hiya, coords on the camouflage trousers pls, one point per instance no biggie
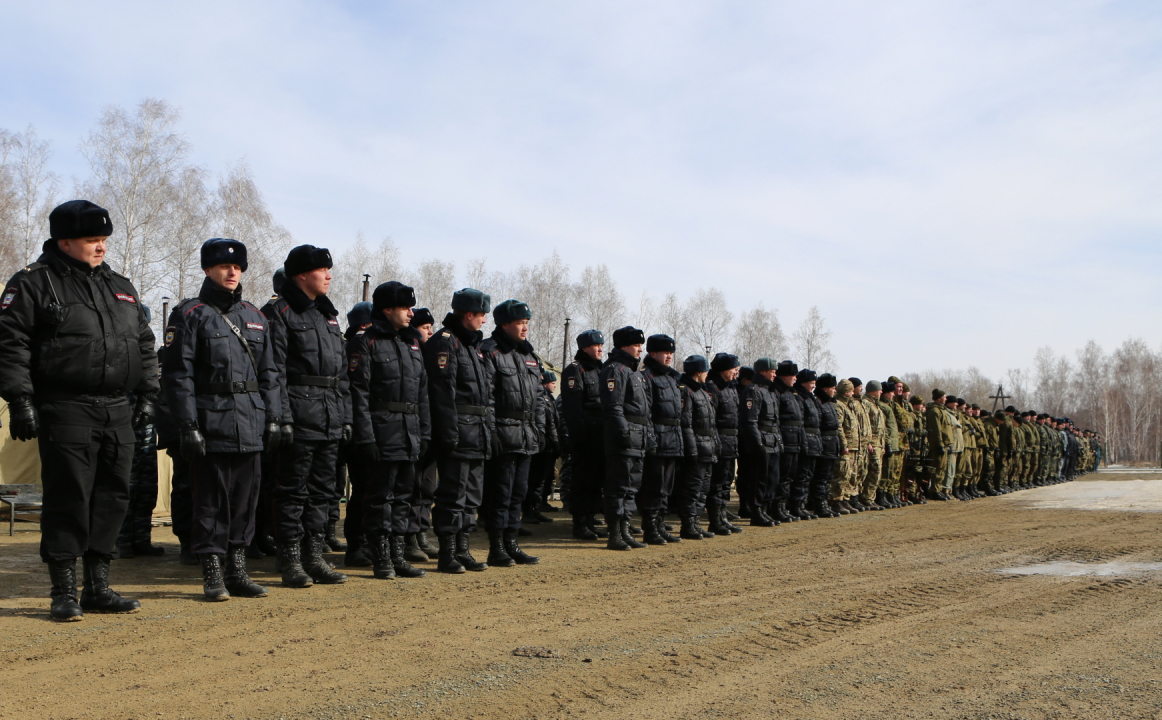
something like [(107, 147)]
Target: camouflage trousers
[(968, 468), (892, 473), (843, 480), (871, 478), (987, 457)]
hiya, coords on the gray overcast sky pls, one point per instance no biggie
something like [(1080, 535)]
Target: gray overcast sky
[(952, 183)]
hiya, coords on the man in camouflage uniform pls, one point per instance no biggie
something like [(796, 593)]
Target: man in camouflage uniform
[(904, 431), (844, 482), (875, 443), (941, 438), (889, 488), (917, 451)]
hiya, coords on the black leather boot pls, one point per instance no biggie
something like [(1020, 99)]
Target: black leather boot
[(379, 547), (730, 517), (581, 529), (514, 550), (779, 511), (716, 520), (97, 595), (356, 555), (734, 529), (464, 554), (706, 532), (616, 541), (63, 574), (403, 568), (290, 561), (213, 587), (631, 528), (627, 535), (237, 581), (332, 539), (662, 529), (411, 549), (319, 569), (446, 561), (266, 544), (650, 528), (601, 531), (744, 509), (497, 556), (425, 545), (690, 529), (760, 518)]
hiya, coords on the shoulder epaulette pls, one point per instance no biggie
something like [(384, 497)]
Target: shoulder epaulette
[(34, 266)]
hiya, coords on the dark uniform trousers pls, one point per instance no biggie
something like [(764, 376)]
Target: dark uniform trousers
[(696, 484), (359, 473), (542, 469), (264, 523), (623, 479), (788, 471), (744, 478), (181, 497), (820, 490), (805, 473), (427, 479), (340, 491), (225, 491), (458, 494), (388, 504), (138, 524), (306, 483), (86, 453), (506, 480), (588, 479), (763, 482), (721, 476), (658, 477)]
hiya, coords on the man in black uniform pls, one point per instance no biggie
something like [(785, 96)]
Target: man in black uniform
[(758, 420), (543, 467), (307, 344), (812, 450), (581, 413), (74, 342), (222, 387), (660, 467), (831, 445), (700, 442), (625, 405), (723, 387), (518, 402), (358, 467), (462, 426), (786, 506), (264, 519), (417, 548), (389, 398)]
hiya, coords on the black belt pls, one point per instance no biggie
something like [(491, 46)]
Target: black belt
[(235, 387), (313, 381), (94, 400), (514, 415), (668, 422), (392, 406), (768, 428), (638, 419), (728, 432), (830, 433), (812, 431), (792, 423), (472, 410), (705, 433)]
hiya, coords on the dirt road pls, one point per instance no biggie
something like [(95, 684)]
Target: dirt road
[(898, 614)]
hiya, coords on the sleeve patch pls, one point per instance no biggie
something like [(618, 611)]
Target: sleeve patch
[(333, 321), (353, 363), (124, 297), (169, 332), (611, 385), (254, 326), (572, 383), (441, 360), (9, 296), (749, 404)]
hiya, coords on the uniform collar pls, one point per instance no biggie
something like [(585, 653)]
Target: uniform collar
[(656, 367), (586, 362), (506, 344), (218, 296), (621, 356), (455, 326), (53, 256)]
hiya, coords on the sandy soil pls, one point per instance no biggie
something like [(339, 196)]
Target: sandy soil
[(898, 614)]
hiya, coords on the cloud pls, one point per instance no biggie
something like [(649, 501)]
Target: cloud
[(951, 184)]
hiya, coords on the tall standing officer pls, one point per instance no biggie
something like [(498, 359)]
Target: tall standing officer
[(308, 349), (519, 411), (389, 401), (222, 387), (723, 387), (789, 492), (581, 413), (625, 405), (74, 342), (660, 467), (462, 425)]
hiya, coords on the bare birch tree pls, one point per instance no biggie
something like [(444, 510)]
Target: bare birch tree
[(757, 334), (811, 342), (31, 193), (434, 282), (241, 213), (184, 229), (548, 291), (671, 320), (599, 303), (708, 321)]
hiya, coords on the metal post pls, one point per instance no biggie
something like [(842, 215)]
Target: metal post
[(164, 310), (565, 346), (366, 286)]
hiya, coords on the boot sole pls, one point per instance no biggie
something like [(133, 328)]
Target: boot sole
[(74, 618)]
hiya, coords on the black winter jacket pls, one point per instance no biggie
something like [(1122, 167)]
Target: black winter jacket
[(725, 394), (517, 394), (210, 379), (625, 405), (70, 330), (312, 364), (389, 391), (790, 416), (459, 390), (832, 445), (699, 434), (758, 418), (552, 444), (813, 443), (665, 407), (581, 404)]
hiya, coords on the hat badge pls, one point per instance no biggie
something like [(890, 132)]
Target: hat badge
[(229, 250)]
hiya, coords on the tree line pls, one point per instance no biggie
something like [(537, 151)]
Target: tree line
[(163, 208)]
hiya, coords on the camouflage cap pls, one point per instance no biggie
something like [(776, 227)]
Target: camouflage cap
[(893, 379), (907, 387), (917, 400), (844, 386), (974, 406)]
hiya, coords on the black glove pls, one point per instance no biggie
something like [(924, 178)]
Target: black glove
[(445, 447), (193, 444), (143, 413), (424, 448), (347, 430), (288, 435), (271, 436), (497, 447), (22, 415), (369, 452)]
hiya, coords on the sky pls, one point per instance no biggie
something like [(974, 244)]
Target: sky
[(952, 183)]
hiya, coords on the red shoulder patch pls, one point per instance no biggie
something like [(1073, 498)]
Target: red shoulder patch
[(123, 297)]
